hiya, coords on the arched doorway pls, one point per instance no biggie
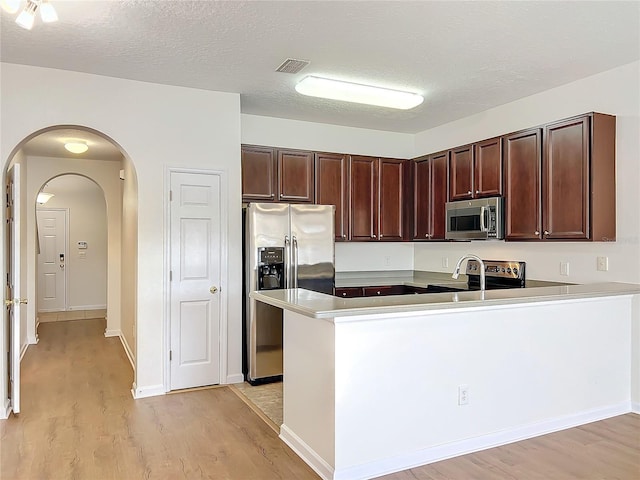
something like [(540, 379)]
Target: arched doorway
[(42, 156)]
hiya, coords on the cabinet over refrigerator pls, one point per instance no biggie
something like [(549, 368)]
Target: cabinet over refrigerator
[(286, 246)]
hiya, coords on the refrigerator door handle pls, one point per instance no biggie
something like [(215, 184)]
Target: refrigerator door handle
[(287, 262), (295, 262)]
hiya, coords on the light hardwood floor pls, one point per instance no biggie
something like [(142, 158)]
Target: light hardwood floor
[(79, 421)]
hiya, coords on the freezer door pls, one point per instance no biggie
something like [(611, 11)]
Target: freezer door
[(312, 247), (267, 225)]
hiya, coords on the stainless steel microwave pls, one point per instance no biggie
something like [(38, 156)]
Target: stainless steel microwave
[(479, 219)]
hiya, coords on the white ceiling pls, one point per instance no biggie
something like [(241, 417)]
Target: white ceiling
[(465, 57)]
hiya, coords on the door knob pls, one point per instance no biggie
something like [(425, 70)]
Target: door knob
[(23, 301), (8, 303), (213, 289)]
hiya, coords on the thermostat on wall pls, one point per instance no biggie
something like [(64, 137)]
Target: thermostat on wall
[(82, 245)]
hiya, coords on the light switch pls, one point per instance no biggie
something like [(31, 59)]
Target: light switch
[(82, 245)]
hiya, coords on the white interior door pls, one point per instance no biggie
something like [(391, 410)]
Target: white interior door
[(13, 299), (195, 280), (52, 281)]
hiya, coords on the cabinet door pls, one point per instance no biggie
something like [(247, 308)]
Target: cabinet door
[(439, 187), (522, 165), (422, 194), (461, 173), (258, 174), (430, 196), (488, 168), (332, 188), (391, 186), (363, 172), (295, 176), (566, 180)]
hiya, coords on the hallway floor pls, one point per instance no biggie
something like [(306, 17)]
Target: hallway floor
[(79, 421)]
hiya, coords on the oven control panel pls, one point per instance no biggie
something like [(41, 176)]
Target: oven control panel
[(498, 268)]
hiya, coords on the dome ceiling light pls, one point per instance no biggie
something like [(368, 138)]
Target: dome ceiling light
[(76, 147)]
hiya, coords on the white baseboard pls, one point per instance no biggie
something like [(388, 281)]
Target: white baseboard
[(23, 350), (128, 351), (442, 452), (235, 378), (33, 340), (149, 391), (112, 333), (315, 461), (86, 307), (6, 411), (635, 407)]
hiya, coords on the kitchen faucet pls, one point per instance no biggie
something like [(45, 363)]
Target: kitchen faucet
[(469, 256)]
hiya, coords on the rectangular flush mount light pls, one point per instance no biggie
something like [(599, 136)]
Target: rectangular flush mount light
[(357, 93)]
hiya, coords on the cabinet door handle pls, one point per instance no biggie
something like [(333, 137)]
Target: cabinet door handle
[(536, 232), (373, 236), (344, 294), (344, 236), (546, 232), (469, 192), (477, 192)]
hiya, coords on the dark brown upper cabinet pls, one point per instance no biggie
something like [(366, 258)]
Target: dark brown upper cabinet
[(560, 181), (295, 176), (523, 177), (258, 174), (363, 173), (487, 159), (461, 173), (476, 170), (392, 214), (377, 198), (332, 188), (430, 183), (274, 175)]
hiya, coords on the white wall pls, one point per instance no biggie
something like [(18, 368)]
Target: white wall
[(614, 92), (279, 132), (157, 127), (129, 256), (86, 274)]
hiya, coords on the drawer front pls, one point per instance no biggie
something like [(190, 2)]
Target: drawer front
[(348, 292)]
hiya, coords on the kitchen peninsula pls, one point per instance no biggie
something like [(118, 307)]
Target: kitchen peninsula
[(381, 384)]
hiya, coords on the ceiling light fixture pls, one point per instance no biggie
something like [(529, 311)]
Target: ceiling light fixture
[(28, 14), (76, 147), (43, 198), (358, 93)]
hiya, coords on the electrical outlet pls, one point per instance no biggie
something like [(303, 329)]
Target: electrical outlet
[(445, 262), (463, 395), (564, 268), (387, 261), (602, 264)]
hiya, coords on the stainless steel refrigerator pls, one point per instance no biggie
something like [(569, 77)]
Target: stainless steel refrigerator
[(286, 246)]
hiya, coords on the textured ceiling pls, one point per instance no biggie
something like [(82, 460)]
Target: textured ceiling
[(465, 57)]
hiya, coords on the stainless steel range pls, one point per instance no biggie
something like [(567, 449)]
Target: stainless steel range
[(498, 274)]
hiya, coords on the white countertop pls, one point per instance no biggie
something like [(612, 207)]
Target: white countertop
[(319, 305)]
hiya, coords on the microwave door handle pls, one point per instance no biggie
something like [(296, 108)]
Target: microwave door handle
[(483, 223)]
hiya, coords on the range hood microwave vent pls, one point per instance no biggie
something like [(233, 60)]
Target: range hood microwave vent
[(291, 65)]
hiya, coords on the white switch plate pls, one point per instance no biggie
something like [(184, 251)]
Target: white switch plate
[(602, 264), (564, 268), (463, 395)]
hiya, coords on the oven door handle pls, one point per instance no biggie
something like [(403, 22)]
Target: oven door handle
[(483, 223)]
